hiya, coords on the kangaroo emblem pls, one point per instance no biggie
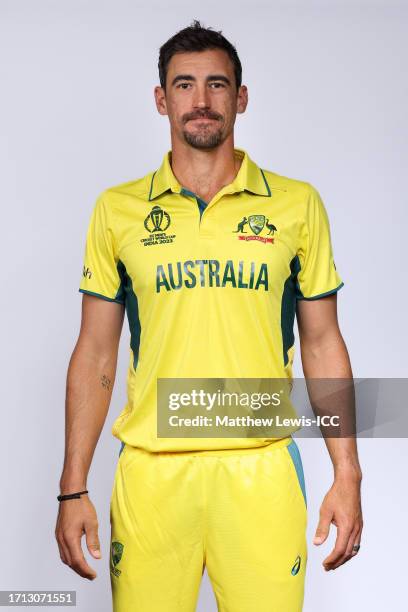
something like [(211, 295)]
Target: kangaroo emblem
[(240, 226)]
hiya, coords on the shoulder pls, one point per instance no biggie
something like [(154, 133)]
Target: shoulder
[(295, 187), (113, 203), (136, 188), (302, 197)]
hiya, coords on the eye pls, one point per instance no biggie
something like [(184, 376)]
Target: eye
[(183, 85), (217, 85)]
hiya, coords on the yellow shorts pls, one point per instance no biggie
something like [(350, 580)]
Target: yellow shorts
[(241, 513)]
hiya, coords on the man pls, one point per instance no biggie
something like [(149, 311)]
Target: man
[(211, 257)]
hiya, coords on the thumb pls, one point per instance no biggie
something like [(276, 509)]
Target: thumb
[(92, 541), (323, 528)]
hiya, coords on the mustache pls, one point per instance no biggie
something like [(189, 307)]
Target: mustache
[(201, 115)]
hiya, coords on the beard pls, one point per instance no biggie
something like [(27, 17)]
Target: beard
[(204, 138)]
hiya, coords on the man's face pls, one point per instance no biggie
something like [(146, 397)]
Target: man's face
[(201, 98)]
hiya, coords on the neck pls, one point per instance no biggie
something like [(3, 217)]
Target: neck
[(204, 173)]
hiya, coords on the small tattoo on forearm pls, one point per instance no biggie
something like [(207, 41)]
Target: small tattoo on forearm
[(106, 383)]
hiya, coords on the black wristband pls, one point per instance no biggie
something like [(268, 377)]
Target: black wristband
[(71, 496)]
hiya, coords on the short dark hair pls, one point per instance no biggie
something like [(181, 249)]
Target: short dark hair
[(197, 38)]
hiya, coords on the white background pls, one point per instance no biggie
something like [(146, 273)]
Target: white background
[(328, 98)]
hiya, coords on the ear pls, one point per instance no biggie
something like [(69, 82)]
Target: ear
[(160, 97), (242, 100)]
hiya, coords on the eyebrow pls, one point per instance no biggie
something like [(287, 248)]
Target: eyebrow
[(211, 77)]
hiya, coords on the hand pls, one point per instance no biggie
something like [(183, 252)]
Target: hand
[(342, 507), (76, 517)]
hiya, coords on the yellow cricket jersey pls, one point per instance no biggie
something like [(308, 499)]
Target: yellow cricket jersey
[(210, 289)]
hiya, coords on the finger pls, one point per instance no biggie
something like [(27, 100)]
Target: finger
[(343, 535), (78, 561), (64, 552), (349, 549), (357, 540), (61, 552), (92, 539), (353, 540), (323, 528)]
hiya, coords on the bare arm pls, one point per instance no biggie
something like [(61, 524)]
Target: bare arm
[(90, 380), (324, 355)]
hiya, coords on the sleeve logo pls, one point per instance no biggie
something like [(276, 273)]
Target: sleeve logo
[(86, 272)]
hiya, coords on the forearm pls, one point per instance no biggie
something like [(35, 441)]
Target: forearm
[(326, 356), (90, 381), (324, 360)]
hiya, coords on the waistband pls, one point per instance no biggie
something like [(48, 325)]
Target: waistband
[(224, 452)]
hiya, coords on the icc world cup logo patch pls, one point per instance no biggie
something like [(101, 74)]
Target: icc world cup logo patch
[(156, 223), (256, 223), (158, 220)]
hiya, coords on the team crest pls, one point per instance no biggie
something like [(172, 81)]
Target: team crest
[(116, 555), (156, 223), (256, 223)]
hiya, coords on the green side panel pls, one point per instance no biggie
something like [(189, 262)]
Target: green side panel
[(288, 308), (297, 461), (132, 310)]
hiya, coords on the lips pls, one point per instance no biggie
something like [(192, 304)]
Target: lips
[(203, 119)]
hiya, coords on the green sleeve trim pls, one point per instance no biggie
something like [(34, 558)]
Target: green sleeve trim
[(101, 296), (316, 297)]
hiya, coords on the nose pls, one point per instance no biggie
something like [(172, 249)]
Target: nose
[(202, 97)]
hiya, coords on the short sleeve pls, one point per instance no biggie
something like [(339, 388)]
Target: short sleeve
[(317, 276), (100, 275)]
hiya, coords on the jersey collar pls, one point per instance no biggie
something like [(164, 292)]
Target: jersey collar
[(249, 178)]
